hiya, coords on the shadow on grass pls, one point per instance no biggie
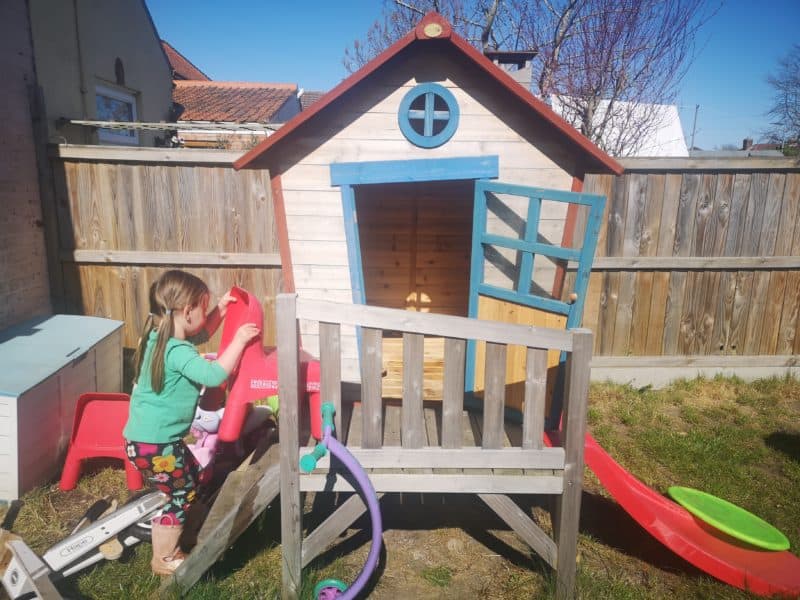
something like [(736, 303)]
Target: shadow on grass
[(788, 443), (607, 522), (601, 518)]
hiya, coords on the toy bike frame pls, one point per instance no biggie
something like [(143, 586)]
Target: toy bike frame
[(28, 573)]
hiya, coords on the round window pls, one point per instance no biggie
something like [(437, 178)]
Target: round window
[(428, 115)]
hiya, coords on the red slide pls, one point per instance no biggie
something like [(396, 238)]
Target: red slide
[(738, 564)]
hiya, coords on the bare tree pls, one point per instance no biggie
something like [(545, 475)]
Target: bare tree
[(606, 64), (785, 110)]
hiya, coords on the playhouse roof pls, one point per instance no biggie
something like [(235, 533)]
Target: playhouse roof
[(434, 27)]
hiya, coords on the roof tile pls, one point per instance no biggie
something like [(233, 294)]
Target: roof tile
[(182, 68), (230, 101)]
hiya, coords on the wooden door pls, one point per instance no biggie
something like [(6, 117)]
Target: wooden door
[(513, 255), (415, 241)]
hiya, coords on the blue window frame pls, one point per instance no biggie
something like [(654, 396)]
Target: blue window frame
[(428, 115)]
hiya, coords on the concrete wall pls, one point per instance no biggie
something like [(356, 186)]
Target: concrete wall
[(76, 45), (24, 287)]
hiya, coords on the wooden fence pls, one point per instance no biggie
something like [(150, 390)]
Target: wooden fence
[(698, 261), (116, 217), (697, 258)]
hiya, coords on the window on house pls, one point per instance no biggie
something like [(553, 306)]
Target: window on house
[(114, 105)]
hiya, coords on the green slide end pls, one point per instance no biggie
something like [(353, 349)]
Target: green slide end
[(729, 518)]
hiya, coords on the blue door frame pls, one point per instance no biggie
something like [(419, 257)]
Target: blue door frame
[(348, 175)]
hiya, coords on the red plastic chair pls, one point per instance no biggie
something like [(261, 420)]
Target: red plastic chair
[(97, 432)]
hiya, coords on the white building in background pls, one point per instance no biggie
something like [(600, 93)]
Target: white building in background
[(664, 137)]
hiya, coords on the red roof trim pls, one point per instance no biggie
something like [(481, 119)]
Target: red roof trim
[(320, 104), (423, 31), (545, 111)]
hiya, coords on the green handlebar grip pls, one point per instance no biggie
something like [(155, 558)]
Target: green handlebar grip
[(308, 462), (328, 410), (329, 583)]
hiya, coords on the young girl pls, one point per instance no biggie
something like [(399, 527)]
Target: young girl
[(169, 375)]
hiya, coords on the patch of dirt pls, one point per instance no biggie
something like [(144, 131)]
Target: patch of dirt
[(442, 547)]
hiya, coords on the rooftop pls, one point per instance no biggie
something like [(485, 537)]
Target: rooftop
[(182, 67), (230, 101)]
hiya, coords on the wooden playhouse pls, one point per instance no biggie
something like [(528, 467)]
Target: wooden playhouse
[(431, 181), (377, 182)]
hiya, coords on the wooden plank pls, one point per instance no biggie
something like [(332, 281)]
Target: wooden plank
[(708, 164), (441, 483), (242, 498), (535, 399), (631, 246), (291, 509), (753, 220), (648, 246), (696, 263), (789, 336), (691, 329), (413, 431), (766, 246), (142, 154), (615, 235), (568, 505), (132, 257), (453, 392), (684, 234), (711, 296), (494, 395), (732, 248), (521, 523), (723, 362), (665, 243), (331, 370), (431, 324), (434, 457), (371, 368), (776, 288), (355, 426)]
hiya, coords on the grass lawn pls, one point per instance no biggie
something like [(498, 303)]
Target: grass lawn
[(736, 440)]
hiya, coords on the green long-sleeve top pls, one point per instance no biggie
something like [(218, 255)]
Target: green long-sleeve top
[(166, 416)]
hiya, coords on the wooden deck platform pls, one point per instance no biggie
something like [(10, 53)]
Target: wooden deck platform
[(429, 463), (420, 444)]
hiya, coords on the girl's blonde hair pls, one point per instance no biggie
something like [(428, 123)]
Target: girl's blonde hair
[(171, 292)]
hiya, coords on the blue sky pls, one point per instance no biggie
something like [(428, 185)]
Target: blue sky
[(304, 42)]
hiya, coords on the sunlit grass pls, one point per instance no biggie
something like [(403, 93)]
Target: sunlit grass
[(737, 440)]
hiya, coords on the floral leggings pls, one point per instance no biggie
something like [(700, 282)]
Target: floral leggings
[(173, 469)]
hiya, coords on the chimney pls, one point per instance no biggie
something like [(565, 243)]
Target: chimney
[(747, 143), (516, 63)]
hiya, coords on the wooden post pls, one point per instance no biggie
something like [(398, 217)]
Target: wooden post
[(413, 425), (371, 365), (291, 526), (568, 505), (331, 371), (453, 392)]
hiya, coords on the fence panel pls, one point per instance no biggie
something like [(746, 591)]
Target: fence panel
[(123, 216), (697, 259)]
